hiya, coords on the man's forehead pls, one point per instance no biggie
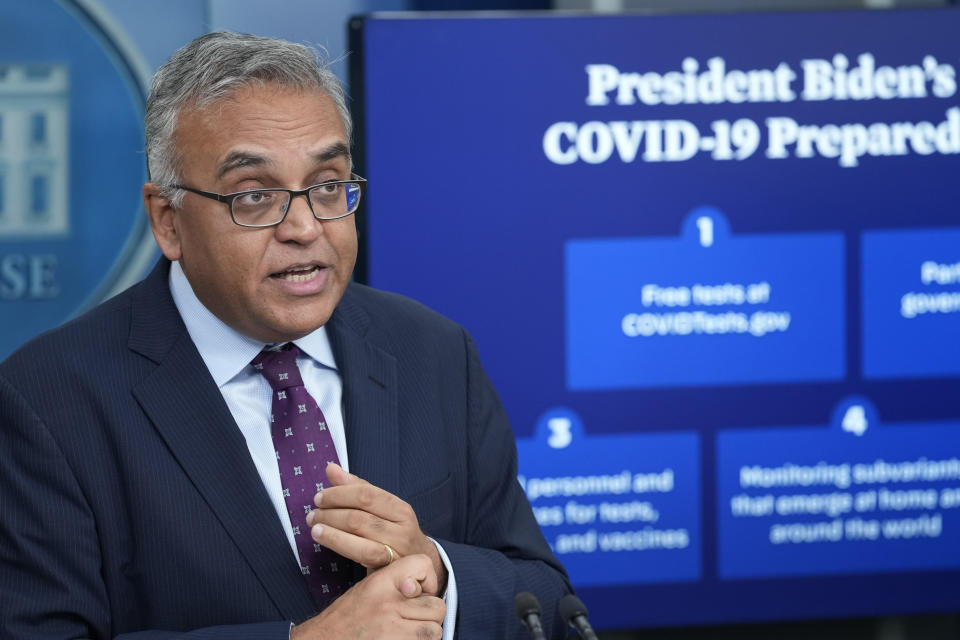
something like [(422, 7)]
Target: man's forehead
[(240, 128)]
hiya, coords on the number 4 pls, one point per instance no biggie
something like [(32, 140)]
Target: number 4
[(854, 420)]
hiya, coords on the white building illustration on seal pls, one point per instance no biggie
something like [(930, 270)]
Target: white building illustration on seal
[(34, 150)]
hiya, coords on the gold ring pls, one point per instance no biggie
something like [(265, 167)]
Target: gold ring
[(393, 554)]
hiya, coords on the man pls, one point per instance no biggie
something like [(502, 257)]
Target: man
[(175, 462)]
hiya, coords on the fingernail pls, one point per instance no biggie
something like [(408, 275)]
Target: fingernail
[(318, 498), (408, 587), (316, 531), (310, 518)]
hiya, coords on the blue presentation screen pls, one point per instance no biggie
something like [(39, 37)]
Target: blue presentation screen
[(712, 265)]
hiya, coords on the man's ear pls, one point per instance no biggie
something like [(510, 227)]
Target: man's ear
[(163, 219)]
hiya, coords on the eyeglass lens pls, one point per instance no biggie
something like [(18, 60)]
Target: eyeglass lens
[(332, 200)]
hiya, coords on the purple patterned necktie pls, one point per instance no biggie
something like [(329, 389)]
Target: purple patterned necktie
[(304, 447)]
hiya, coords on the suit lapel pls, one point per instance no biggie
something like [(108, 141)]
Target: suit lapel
[(369, 375), (185, 405)]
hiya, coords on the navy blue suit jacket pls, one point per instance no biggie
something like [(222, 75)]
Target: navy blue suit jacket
[(129, 503)]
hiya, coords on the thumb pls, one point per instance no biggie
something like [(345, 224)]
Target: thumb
[(338, 476), (410, 587), (409, 574)]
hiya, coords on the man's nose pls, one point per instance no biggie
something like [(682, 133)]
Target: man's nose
[(299, 225)]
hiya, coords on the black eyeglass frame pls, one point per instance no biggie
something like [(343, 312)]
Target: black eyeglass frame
[(228, 198)]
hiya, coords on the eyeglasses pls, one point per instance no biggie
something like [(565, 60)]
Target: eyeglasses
[(258, 208)]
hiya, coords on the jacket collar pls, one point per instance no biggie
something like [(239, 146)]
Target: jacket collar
[(369, 373)]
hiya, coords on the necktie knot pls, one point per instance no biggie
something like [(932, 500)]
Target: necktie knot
[(279, 367)]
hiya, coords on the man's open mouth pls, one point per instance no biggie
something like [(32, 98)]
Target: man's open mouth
[(298, 274)]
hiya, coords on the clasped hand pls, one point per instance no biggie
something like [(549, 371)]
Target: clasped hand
[(405, 575), (360, 521), (390, 604)]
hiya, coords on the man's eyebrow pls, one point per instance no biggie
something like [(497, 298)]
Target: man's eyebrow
[(238, 159), (332, 152)]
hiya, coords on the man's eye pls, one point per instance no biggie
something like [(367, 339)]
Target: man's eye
[(253, 198)]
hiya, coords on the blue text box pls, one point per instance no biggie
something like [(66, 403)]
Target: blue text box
[(825, 500), (911, 303), (615, 509), (705, 308)]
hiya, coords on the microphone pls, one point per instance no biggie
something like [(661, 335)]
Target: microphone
[(575, 613), (528, 610)]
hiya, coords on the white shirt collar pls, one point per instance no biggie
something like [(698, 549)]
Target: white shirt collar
[(225, 351)]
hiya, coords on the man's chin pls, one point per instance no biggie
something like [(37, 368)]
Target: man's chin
[(289, 329)]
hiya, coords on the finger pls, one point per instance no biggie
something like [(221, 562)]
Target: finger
[(360, 523), (425, 608), (370, 554), (429, 581), (410, 587), (365, 497), (338, 476), (417, 567), (418, 629), (405, 578)]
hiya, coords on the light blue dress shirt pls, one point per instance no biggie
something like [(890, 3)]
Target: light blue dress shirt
[(227, 355)]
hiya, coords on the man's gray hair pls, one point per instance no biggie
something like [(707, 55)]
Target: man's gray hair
[(211, 68)]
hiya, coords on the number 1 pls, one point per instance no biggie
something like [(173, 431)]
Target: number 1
[(705, 225)]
